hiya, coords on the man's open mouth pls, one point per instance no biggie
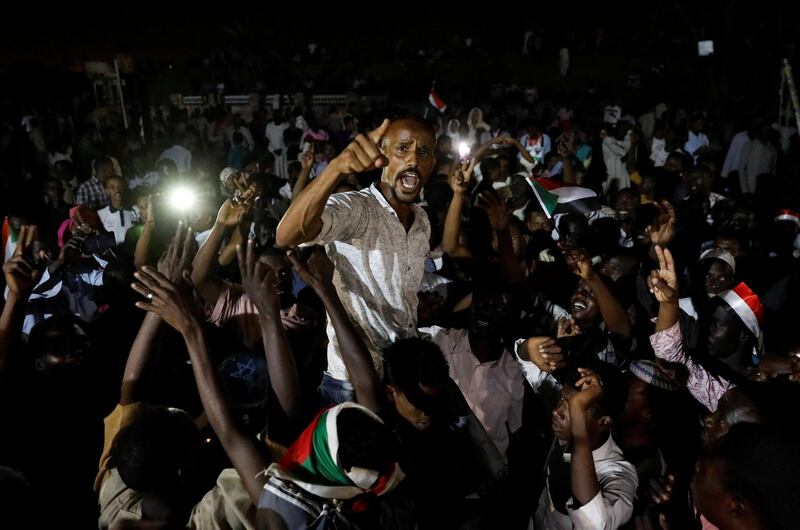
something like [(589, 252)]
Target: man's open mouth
[(409, 180), (578, 305)]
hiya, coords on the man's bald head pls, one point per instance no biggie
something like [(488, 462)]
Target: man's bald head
[(414, 123)]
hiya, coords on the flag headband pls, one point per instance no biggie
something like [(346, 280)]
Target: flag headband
[(312, 461), (788, 215), (747, 306)]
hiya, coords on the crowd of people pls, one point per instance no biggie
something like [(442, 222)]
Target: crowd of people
[(521, 315)]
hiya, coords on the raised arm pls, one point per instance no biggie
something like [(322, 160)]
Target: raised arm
[(482, 150), (175, 260), (21, 277), (303, 219), (174, 304), (205, 262), (614, 315), (663, 284), (667, 341), (537, 358), (594, 506), (306, 164), (499, 217), (260, 282), (565, 155), (318, 273), (459, 183), (522, 151), (141, 254), (228, 253), (583, 476), (662, 231)]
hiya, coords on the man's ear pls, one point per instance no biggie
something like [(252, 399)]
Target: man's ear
[(605, 422)]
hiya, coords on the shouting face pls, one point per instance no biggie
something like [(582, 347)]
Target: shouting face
[(409, 146)]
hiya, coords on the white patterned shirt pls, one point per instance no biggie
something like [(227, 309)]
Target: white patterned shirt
[(379, 268)]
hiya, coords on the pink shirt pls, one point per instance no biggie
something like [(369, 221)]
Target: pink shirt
[(704, 387), (493, 390), (235, 312)]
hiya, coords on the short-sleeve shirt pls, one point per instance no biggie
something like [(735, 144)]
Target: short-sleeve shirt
[(378, 269)]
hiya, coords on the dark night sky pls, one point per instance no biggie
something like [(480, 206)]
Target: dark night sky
[(52, 34)]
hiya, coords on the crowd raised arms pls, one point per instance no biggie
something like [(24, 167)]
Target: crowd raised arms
[(300, 319)]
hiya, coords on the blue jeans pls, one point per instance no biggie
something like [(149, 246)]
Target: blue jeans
[(335, 391)]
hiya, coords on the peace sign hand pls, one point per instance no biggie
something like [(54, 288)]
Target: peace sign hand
[(20, 271), (663, 282)]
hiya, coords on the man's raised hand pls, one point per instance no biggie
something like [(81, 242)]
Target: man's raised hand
[(172, 302), (364, 153), (179, 254), (316, 272), (259, 280), (545, 353), (20, 271), (663, 282), (460, 179)]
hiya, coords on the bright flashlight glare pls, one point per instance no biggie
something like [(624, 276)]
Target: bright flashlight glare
[(463, 149), (182, 198)]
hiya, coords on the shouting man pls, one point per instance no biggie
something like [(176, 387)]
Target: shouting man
[(377, 238)]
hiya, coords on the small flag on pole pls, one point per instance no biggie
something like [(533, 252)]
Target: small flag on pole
[(435, 100)]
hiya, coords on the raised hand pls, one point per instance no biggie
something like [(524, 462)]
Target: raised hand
[(545, 353), (363, 153), (316, 272), (20, 271), (231, 213), (590, 389), (179, 254), (578, 261), (567, 327), (663, 232), (663, 282), (307, 158), (496, 209), (259, 280), (460, 180), (71, 252), (172, 302)]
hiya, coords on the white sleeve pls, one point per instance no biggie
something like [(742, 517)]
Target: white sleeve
[(544, 384), (612, 506)]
